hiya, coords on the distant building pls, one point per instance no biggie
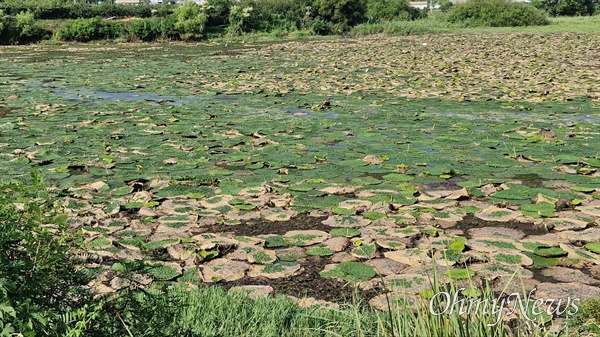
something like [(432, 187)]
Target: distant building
[(422, 4), (419, 4), (128, 2)]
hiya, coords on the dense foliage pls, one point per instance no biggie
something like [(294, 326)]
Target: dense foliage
[(39, 287), (50, 10), (84, 30), (388, 10), (496, 13), (213, 18), (190, 20), (568, 7), (21, 28), (152, 29)]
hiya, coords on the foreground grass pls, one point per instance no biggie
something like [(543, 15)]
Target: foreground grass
[(178, 310)]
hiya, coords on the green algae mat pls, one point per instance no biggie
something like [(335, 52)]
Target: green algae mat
[(307, 166)]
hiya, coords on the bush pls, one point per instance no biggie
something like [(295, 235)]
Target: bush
[(388, 10), (218, 12), (345, 12), (2, 20), (268, 15), (152, 29), (84, 30), (496, 13), (567, 7), (49, 10), (190, 20), (38, 283), (20, 29), (239, 20)]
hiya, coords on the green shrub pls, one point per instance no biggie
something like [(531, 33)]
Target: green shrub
[(218, 12), (190, 20), (152, 29), (38, 284), (496, 13), (322, 27), (70, 10), (163, 10), (84, 30), (567, 7), (239, 20), (2, 20), (345, 12), (20, 29), (445, 5), (268, 15), (388, 10), (25, 22)]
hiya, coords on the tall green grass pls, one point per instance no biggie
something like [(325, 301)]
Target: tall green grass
[(434, 24), (180, 310), (437, 23)]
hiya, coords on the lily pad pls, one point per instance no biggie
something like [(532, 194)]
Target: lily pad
[(398, 177), (305, 238), (493, 213), (364, 251), (593, 247), (460, 273), (277, 270), (349, 271), (347, 232), (346, 221), (319, 251), (550, 252)]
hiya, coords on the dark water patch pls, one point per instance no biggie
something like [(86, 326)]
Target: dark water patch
[(470, 221), (222, 98), (92, 96), (538, 275), (445, 184), (297, 112), (264, 227), (532, 180), (97, 96), (4, 111)]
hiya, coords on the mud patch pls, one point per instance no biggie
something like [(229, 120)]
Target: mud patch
[(4, 111), (310, 284), (530, 180), (446, 184), (470, 221), (263, 227), (538, 275)]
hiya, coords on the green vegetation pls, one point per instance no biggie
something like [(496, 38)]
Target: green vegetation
[(155, 29), (240, 163), (84, 30), (63, 9), (266, 19), (40, 290), (568, 7), (190, 21), (20, 29), (391, 10), (496, 13)]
